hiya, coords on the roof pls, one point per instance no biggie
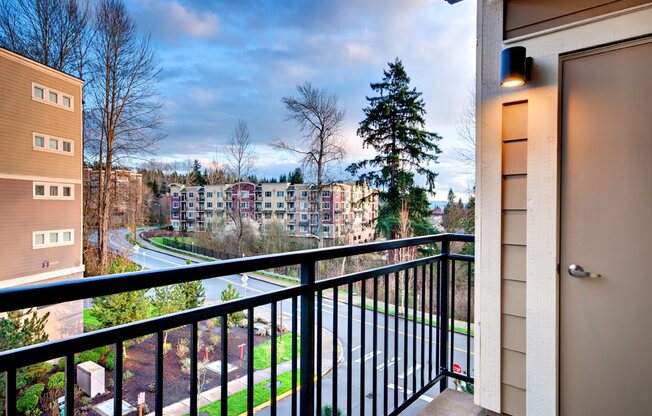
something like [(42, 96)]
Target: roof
[(31, 62)]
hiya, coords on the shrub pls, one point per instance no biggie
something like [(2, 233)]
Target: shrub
[(27, 404), (57, 381), (327, 410), (109, 362), (127, 375), (92, 355), (166, 348)]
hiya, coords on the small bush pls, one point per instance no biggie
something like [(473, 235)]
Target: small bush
[(127, 375), (27, 404), (109, 362), (166, 348), (183, 348), (57, 381), (92, 355)]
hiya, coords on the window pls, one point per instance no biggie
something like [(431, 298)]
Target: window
[(303, 228), (327, 205), (52, 238), (280, 194), (291, 217), (209, 194), (327, 217), (268, 205), (244, 194), (52, 144), (244, 204), (191, 204), (268, 194), (175, 194), (290, 194), (268, 216), (39, 92), (304, 205), (190, 215), (326, 193), (191, 194), (279, 215), (44, 190), (209, 204), (218, 194), (52, 97), (280, 205), (175, 205), (220, 204), (229, 205), (304, 217), (39, 141), (175, 223), (304, 194)]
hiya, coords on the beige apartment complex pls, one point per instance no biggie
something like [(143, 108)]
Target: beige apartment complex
[(40, 178), (348, 209), (126, 188)]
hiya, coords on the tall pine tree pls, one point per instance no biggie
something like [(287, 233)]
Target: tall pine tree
[(394, 126)]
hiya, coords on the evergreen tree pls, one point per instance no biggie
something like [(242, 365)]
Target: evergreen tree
[(121, 308), (189, 295), (394, 126), (296, 176), (196, 176), (453, 217), (283, 178)]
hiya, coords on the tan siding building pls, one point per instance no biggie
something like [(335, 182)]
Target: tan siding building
[(40, 179)]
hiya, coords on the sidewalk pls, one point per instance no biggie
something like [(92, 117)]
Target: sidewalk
[(209, 396)]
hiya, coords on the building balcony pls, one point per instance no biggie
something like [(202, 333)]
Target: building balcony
[(414, 355)]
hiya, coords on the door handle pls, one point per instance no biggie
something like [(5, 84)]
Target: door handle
[(578, 271)]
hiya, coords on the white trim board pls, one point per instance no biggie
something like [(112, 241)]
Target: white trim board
[(35, 278)]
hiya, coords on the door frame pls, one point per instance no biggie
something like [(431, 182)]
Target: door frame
[(580, 53)]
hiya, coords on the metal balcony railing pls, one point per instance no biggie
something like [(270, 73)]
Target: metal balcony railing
[(415, 328)]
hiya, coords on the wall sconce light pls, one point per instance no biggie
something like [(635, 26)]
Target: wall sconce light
[(515, 67)]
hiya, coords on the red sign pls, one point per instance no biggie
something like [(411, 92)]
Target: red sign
[(457, 369)]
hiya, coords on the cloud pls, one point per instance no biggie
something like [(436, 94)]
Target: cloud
[(171, 20)]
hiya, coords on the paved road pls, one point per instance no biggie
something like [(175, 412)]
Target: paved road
[(155, 260)]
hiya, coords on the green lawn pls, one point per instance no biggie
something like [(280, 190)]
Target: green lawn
[(237, 402), (90, 319), (263, 352)]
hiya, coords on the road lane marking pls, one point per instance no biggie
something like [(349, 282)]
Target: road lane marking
[(399, 388)]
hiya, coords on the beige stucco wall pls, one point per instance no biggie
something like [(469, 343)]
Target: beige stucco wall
[(541, 236)]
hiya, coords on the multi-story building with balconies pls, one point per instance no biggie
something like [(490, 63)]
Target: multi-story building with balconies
[(348, 210), (41, 181)]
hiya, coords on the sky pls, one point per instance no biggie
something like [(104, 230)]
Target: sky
[(228, 60)]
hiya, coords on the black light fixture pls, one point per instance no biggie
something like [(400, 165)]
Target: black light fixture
[(515, 67)]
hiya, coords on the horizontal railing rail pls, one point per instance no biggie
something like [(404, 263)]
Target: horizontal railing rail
[(422, 308)]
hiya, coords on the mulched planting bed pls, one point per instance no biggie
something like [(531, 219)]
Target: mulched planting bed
[(140, 362)]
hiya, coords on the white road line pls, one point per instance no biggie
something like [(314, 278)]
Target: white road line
[(368, 356), (410, 370), (422, 397)]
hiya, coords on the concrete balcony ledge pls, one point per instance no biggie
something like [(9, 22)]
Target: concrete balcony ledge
[(452, 403)]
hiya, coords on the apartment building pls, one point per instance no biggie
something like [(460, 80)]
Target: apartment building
[(40, 180), (348, 209), (126, 187)]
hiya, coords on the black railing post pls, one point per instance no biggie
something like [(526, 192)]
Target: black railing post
[(442, 320), (307, 353)]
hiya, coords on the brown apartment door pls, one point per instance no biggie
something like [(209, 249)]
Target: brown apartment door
[(606, 229)]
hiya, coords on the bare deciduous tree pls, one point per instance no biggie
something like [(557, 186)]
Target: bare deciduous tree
[(122, 117), (240, 164), (466, 130), (52, 32), (320, 119), (240, 154)]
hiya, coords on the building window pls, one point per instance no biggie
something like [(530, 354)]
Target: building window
[(327, 217), (191, 204), (52, 97), (209, 204), (304, 217), (244, 204), (280, 194), (280, 205), (218, 194), (244, 194), (39, 141), (304, 205), (327, 205), (190, 215), (39, 92), (268, 205), (54, 191), (54, 144), (209, 194), (175, 205), (175, 194), (53, 238), (268, 194), (229, 205), (326, 194), (191, 194), (220, 204), (304, 194)]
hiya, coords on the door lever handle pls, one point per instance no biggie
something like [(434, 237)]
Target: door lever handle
[(578, 271)]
